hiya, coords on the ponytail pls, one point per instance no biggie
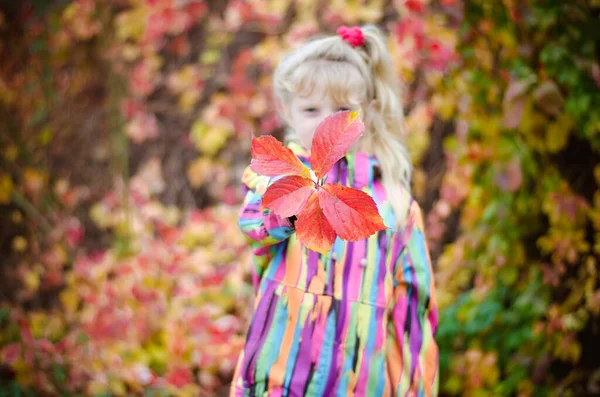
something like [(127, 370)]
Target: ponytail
[(384, 121)]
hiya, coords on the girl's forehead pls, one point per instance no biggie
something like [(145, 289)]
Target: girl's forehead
[(328, 95), (340, 82), (321, 98), (314, 96)]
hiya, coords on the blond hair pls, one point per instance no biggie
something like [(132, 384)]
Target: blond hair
[(357, 76)]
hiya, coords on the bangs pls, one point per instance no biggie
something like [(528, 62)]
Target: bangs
[(341, 81)]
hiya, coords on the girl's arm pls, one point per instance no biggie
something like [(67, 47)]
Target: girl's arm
[(415, 315), (262, 228)]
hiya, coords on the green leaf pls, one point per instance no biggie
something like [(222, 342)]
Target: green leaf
[(4, 314), (508, 275), (59, 373)]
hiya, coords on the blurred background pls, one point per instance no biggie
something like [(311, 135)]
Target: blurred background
[(125, 126)]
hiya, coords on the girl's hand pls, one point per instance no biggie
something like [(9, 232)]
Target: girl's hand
[(292, 219)]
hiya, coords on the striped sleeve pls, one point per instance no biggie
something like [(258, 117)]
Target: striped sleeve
[(261, 227), (415, 313)]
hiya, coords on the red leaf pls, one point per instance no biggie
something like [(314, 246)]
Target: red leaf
[(411, 28), (179, 377), (415, 5), (289, 195), (439, 55), (332, 139), (271, 158), (352, 213), (313, 229), (11, 353)]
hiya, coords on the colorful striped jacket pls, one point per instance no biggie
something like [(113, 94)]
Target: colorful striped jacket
[(358, 322)]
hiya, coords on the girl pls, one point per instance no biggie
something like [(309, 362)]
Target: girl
[(360, 321)]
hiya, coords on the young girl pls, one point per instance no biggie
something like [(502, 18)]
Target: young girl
[(360, 321)]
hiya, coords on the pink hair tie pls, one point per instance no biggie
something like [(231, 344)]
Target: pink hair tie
[(353, 36)]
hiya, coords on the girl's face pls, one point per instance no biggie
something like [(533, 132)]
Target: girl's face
[(306, 112)]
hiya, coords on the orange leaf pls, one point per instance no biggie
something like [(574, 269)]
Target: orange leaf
[(313, 229), (351, 213), (271, 158), (332, 139), (289, 195)]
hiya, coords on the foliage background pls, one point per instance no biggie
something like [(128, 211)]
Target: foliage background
[(125, 126)]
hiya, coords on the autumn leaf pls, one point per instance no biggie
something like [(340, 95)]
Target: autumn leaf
[(416, 6), (323, 211), (549, 98), (6, 188), (271, 158), (313, 229), (332, 139), (289, 195), (351, 212), (179, 377), (514, 101), (144, 126)]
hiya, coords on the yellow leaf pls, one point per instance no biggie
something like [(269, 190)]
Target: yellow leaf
[(198, 131), (508, 39), (184, 79), (19, 244), (69, 300), (38, 323), (97, 388), (189, 390), (154, 61), (454, 384), (198, 171), (45, 135), (210, 56), (158, 356), (130, 52), (130, 24), (171, 215), (355, 11), (207, 139), (6, 188), (417, 126), (34, 180), (533, 126), (444, 105), (117, 386), (188, 99), (268, 50), (31, 280), (69, 12), (100, 216), (419, 182), (24, 373), (558, 133)]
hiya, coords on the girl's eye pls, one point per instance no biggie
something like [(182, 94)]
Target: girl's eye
[(343, 109), (310, 110)]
